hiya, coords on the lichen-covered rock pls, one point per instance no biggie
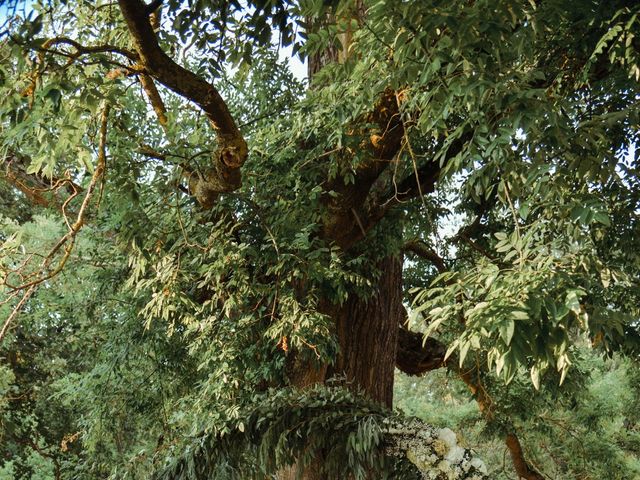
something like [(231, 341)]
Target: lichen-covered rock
[(435, 452)]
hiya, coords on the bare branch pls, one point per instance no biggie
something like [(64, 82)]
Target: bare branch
[(68, 240), (478, 248), (424, 179), (83, 50), (423, 250), (154, 99)]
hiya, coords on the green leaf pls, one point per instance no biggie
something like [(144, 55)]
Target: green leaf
[(506, 331), (520, 315), (535, 377)]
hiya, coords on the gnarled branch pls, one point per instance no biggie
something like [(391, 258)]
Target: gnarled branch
[(415, 357), (67, 242), (232, 150)]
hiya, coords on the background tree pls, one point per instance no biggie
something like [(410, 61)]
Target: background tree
[(222, 260)]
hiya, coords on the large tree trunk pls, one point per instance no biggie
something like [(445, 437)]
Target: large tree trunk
[(367, 330), (367, 333)]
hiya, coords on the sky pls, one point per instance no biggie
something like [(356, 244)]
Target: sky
[(298, 68)]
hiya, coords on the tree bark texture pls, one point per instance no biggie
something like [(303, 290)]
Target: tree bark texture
[(367, 330), (367, 333)]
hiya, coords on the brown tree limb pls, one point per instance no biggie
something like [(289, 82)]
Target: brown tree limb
[(147, 83), (43, 453), (155, 99), (524, 470), (232, 150), (474, 245), (42, 191), (421, 249), (347, 219), (416, 356), (387, 193), (423, 179), (84, 49)]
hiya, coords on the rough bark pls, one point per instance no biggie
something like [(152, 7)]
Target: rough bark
[(348, 216), (367, 330), (334, 53)]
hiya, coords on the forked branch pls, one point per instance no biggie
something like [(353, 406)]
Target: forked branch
[(67, 241)]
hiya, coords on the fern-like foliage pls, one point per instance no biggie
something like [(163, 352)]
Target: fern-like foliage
[(331, 430)]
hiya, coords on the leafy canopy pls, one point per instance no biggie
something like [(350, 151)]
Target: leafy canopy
[(167, 319)]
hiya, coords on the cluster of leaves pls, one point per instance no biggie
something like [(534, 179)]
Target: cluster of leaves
[(290, 426), (550, 136)]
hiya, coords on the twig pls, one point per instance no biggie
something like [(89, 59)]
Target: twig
[(68, 240)]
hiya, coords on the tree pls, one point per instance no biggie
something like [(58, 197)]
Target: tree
[(250, 247)]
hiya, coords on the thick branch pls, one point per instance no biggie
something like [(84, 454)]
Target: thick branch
[(347, 220), (424, 179), (522, 467), (415, 357), (387, 194), (232, 148), (421, 249), (175, 77)]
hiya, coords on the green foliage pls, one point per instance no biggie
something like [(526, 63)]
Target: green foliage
[(166, 339), (287, 426), (586, 429)]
